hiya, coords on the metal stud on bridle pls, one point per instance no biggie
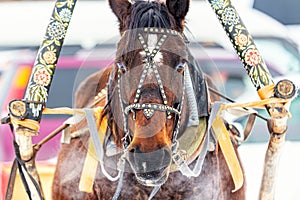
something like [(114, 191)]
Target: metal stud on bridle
[(150, 66)]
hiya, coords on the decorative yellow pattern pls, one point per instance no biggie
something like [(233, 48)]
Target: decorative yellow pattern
[(242, 42), (47, 57)]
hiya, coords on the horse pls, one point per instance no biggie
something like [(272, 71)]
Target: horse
[(155, 100)]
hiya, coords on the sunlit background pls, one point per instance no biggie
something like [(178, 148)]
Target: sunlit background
[(90, 46)]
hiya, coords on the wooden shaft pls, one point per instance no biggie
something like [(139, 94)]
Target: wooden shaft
[(51, 136), (268, 183), (242, 43), (262, 80), (27, 155), (40, 82), (47, 57)]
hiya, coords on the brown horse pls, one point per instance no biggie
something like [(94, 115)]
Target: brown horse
[(157, 102)]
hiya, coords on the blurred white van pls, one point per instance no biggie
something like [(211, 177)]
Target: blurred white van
[(203, 23), (287, 12), (24, 23)]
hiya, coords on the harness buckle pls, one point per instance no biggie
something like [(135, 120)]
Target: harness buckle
[(179, 157)]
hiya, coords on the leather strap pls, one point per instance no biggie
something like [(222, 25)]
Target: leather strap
[(249, 125), (11, 181), (223, 138)]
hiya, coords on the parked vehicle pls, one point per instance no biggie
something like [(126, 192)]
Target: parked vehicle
[(229, 69), (70, 71), (286, 12)]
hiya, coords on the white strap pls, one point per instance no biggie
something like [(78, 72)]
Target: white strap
[(183, 166), (154, 191), (66, 133), (98, 146), (180, 162)]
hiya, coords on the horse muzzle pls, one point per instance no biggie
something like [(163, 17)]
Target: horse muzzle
[(154, 178), (151, 168)]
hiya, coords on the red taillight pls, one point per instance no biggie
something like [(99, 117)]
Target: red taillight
[(19, 84)]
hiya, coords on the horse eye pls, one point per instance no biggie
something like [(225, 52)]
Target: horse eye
[(122, 68), (180, 67)]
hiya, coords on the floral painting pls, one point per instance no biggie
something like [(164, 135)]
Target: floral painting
[(45, 63), (242, 42)]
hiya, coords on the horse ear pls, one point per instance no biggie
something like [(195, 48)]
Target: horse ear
[(179, 9), (121, 8)]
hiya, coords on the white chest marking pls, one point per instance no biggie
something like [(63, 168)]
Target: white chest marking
[(151, 43)]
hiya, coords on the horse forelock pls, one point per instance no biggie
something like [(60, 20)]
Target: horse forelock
[(150, 14)]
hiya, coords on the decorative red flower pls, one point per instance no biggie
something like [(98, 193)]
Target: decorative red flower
[(252, 57), (42, 77)]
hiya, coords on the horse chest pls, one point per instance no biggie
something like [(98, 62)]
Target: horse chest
[(209, 185)]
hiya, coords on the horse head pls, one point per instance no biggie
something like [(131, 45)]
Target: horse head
[(146, 88)]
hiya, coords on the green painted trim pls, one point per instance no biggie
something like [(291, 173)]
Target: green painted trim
[(242, 43), (47, 57)]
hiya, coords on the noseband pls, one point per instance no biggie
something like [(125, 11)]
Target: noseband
[(150, 108)]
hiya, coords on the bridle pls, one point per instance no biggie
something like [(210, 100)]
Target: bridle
[(149, 108)]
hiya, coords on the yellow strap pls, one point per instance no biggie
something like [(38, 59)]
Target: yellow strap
[(266, 92), (63, 110), (91, 162), (257, 104), (34, 125), (228, 151), (69, 111), (89, 170), (28, 123)]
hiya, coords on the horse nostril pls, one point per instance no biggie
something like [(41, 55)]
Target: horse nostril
[(135, 149), (132, 150), (151, 161)]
